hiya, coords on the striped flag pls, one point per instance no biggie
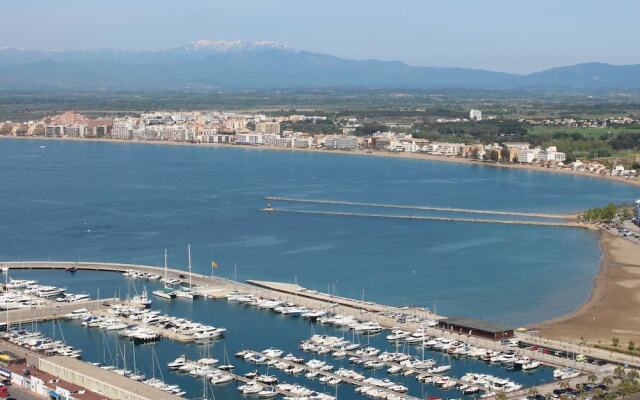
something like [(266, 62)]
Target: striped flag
[(214, 264)]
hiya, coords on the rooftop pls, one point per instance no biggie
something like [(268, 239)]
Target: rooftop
[(475, 324)]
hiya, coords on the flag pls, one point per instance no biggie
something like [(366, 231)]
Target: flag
[(214, 264)]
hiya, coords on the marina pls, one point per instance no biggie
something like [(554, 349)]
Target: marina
[(318, 312)]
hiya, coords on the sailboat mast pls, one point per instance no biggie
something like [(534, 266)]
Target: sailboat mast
[(165, 267), (189, 250)]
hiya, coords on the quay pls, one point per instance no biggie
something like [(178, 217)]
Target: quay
[(96, 379), (51, 311), (422, 208), (358, 309), (442, 219)]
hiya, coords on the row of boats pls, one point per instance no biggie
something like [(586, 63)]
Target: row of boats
[(138, 377), (205, 367), (144, 325), (35, 341), (321, 370), (293, 310), (420, 338), (427, 371), (24, 293)]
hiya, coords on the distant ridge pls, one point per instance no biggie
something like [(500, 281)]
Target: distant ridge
[(221, 64)]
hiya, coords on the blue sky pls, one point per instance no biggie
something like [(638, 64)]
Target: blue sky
[(505, 35)]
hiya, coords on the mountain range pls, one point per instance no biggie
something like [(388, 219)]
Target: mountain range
[(264, 65)]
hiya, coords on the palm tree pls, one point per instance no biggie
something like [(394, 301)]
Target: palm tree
[(533, 392), (619, 372), (607, 380), (501, 396), (592, 378), (633, 375)]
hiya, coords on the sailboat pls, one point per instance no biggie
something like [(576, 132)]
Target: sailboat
[(166, 292), (187, 293), (227, 366)]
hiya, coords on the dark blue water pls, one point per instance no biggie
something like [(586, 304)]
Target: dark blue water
[(247, 328), (127, 202)]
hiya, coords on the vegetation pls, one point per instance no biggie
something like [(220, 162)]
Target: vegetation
[(607, 214)]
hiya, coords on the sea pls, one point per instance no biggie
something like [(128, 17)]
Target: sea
[(116, 202)]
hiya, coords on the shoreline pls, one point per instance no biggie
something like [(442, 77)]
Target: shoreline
[(374, 153), (603, 314), (612, 309)]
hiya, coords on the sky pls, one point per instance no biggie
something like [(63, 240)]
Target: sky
[(518, 36)]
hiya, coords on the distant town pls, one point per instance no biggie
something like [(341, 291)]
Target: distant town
[(231, 128)]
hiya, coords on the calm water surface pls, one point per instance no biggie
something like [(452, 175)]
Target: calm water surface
[(127, 202)]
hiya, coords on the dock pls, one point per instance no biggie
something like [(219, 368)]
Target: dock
[(51, 311), (333, 375), (364, 311)]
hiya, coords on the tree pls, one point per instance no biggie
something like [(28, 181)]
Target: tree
[(501, 396), (631, 346), (615, 341), (592, 378), (633, 376), (619, 372), (607, 380)]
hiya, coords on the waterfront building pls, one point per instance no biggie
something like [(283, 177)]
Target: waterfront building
[(637, 211), (249, 139), (470, 326), (341, 142)]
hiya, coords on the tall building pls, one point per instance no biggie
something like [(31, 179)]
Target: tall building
[(475, 115), (268, 127), (638, 212)]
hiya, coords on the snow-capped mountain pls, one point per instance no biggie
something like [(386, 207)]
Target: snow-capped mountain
[(236, 64)]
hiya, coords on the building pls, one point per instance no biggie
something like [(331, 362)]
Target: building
[(105, 383), (268, 127), (341, 142), (475, 115), (637, 212), (253, 139), (470, 326)]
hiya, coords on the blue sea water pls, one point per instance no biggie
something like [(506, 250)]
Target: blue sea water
[(127, 202)]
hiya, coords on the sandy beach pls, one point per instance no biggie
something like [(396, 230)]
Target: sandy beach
[(375, 153), (613, 309)]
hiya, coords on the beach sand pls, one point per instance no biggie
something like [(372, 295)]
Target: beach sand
[(613, 309)]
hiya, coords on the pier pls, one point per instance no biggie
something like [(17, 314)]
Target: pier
[(51, 311), (422, 208), (427, 218)]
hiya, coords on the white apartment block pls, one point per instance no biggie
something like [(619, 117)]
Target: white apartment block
[(341, 142), (249, 139), (475, 115)]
